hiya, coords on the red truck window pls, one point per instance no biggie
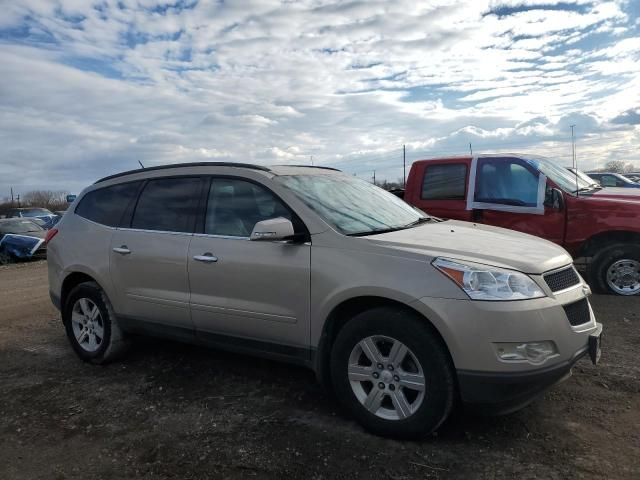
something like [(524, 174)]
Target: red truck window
[(444, 182), (507, 182)]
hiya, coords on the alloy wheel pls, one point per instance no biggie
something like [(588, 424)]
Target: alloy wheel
[(88, 325), (386, 377)]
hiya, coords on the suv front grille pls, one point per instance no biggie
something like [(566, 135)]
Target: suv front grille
[(578, 312), (562, 279)]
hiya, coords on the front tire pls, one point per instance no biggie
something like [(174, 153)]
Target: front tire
[(392, 373), (91, 325), (616, 270)]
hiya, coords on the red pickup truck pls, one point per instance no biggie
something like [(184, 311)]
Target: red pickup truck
[(599, 226)]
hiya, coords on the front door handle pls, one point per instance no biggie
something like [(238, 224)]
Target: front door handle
[(207, 257), (123, 250)]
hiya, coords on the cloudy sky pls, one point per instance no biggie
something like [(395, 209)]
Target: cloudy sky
[(91, 87)]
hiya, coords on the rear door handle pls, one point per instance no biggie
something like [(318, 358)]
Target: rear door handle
[(123, 250), (207, 257)]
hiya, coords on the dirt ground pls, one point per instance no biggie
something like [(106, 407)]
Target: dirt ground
[(176, 411)]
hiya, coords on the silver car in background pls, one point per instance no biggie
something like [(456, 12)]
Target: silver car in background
[(399, 314)]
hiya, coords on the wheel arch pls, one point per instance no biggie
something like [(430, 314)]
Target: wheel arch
[(345, 311), (72, 280), (602, 240)]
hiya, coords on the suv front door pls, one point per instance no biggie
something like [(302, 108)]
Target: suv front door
[(243, 288), (149, 256)]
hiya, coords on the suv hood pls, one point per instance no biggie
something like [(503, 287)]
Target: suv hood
[(477, 243)]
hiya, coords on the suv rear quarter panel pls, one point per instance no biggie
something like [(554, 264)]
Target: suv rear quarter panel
[(80, 246)]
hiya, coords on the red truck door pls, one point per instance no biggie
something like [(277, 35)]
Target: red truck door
[(510, 192), (439, 187)]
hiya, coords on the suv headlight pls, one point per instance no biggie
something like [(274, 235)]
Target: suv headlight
[(482, 282)]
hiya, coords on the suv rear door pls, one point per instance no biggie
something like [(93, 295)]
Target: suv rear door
[(244, 288), (149, 255)]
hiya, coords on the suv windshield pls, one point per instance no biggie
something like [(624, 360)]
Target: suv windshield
[(559, 175), (36, 212), (351, 205), (19, 226)]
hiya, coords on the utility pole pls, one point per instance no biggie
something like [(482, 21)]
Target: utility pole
[(18, 200), (404, 166), (311, 158), (374, 177), (12, 196), (573, 146), (470, 149)]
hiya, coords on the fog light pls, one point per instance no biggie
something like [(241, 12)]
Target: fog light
[(534, 352)]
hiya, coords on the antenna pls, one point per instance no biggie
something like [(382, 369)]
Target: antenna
[(141, 164), (575, 160)]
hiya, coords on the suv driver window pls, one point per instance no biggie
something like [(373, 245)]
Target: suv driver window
[(235, 206), (168, 204)]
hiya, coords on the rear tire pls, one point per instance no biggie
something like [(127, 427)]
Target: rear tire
[(5, 258), (413, 393), (91, 325), (616, 270)]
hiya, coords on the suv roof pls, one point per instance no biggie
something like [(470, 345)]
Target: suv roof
[(210, 164)]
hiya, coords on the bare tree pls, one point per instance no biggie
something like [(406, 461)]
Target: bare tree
[(53, 200), (615, 166)]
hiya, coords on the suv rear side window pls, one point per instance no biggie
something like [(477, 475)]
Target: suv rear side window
[(107, 205), (235, 206), (444, 182), (168, 205)]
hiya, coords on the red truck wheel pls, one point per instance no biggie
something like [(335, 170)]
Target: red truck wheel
[(616, 270)]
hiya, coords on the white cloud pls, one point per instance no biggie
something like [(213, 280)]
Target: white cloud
[(93, 90)]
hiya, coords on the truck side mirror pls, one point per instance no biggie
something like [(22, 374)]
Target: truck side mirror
[(554, 198)]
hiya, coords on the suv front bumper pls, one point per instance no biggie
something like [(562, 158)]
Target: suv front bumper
[(502, 393), (473, 329)]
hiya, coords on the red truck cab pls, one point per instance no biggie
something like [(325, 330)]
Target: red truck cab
[(531, 194)]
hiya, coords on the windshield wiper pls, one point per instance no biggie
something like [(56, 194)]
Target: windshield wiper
[(419, 221), (375, 232), (588, 189)]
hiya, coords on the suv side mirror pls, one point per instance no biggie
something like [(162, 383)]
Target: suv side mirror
[(554, 199), (273, 229)]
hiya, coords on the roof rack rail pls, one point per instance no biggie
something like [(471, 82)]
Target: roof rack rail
[(309, 166), (179, 165)]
